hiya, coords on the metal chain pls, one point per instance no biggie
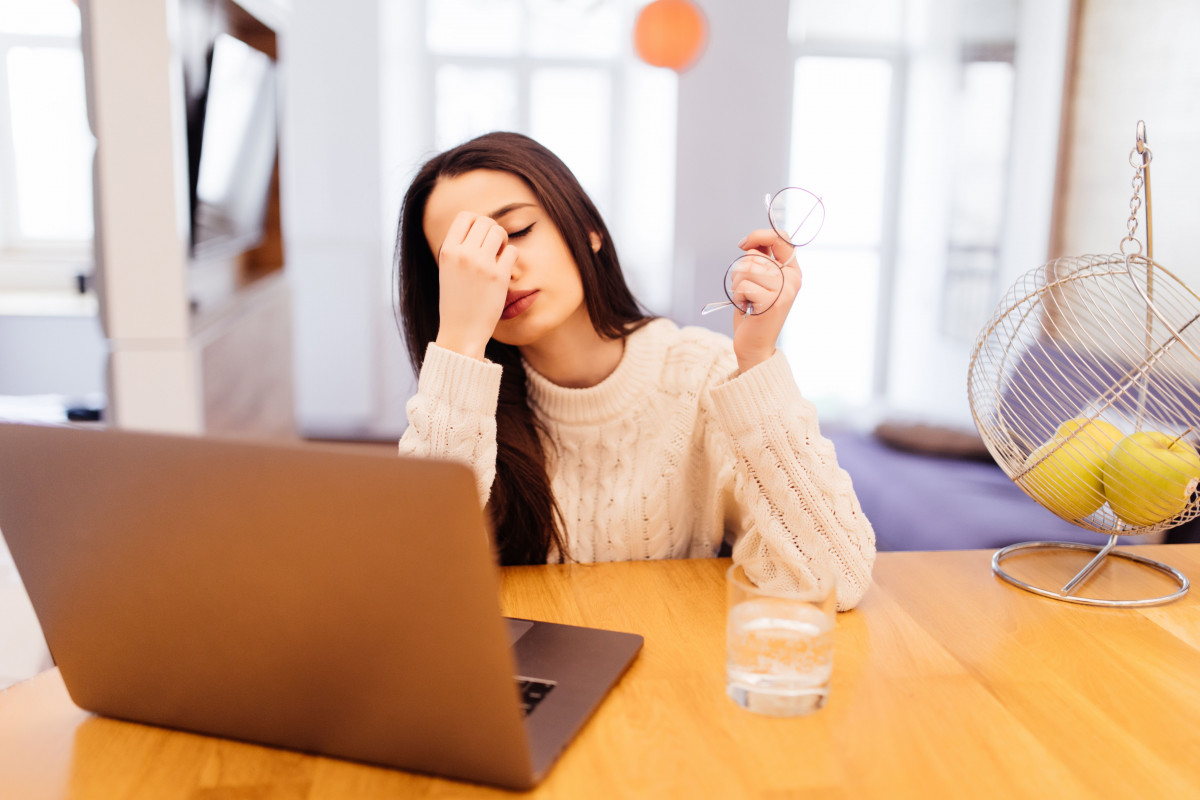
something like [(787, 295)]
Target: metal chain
[(1135, 202)]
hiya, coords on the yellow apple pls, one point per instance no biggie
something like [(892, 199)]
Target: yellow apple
[(1066, 476), (1150, 477), (1099, 434)]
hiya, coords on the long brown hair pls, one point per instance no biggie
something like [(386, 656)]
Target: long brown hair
[(524, 514)]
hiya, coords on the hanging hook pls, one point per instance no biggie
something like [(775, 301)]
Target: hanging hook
[(1144, 149), (1140, 155)]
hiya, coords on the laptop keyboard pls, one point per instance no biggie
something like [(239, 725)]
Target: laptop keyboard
[(533, 691)]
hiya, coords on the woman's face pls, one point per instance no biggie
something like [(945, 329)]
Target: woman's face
[(545, 292)]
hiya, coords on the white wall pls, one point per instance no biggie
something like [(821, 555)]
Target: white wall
[(51, 355), (1136, 65), (407, 140), (733, 124), (332, 210)]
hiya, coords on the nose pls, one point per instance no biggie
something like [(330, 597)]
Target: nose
[(516, 264)]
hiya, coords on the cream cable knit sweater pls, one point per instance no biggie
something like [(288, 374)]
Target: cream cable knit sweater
[(667, 455)]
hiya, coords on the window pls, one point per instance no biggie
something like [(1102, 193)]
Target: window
[(983, 118), (847, 83), (563, 72), (45, 146), (903, 119), (543, 68)]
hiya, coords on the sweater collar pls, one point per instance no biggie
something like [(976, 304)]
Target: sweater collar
[(635, 375)]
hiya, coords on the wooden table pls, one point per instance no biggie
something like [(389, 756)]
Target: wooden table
[(947, 683)]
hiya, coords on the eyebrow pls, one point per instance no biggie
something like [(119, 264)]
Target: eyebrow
[(500, 212)]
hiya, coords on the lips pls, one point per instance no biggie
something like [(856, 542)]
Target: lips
[(516, 303)]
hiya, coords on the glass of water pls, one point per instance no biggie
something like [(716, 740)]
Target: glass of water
[(779, 644)]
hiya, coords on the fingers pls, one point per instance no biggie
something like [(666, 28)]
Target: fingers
[(475, 267), (507, 259), (457, 232), (471, 234), (761, 240), (755, 281), (766, 240), (750, 298), (494, 240), (485, 234), (758, 268), (762, 288)]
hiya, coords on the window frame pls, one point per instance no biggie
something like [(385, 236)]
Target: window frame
[(957, 251), (33, 263), (523, 67), (619, 207), (898, 55)]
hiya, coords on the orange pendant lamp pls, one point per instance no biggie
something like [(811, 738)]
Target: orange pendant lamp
[(670, 33)]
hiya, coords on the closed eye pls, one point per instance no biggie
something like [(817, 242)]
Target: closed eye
[(522, 232)]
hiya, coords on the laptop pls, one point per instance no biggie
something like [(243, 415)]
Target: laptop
[(316, 598)]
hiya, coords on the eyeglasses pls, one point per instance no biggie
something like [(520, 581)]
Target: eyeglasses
[(754, 281)]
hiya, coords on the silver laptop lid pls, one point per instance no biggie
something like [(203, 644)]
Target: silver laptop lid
[(336, 602)]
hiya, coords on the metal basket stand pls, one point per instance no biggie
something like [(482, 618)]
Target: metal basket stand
[(1102, 552), (1067, 591)]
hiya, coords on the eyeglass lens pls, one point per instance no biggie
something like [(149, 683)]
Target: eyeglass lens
[(796, 215), (754, 282)]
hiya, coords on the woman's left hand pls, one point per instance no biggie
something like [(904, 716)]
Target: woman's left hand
[(754, 335)]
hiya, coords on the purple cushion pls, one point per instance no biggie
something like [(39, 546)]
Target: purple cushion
[(1052, 382), (921, 502)]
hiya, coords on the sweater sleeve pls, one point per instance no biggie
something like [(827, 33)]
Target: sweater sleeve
[(791, 500), (453, 414)]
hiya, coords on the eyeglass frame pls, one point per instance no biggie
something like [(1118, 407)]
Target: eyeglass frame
[(768, 201)]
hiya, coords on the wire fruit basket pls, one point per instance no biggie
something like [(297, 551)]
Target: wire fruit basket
[(1085, 387)]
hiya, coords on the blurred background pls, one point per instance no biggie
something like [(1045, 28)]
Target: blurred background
[(198, 198)]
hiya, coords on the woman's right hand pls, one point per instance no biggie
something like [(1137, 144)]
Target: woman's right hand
[(475, 266)]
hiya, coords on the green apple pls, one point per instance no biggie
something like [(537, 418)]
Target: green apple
[(1066, 476), (1150, 477)]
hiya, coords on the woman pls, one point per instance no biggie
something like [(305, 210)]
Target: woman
[(597, 433)]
